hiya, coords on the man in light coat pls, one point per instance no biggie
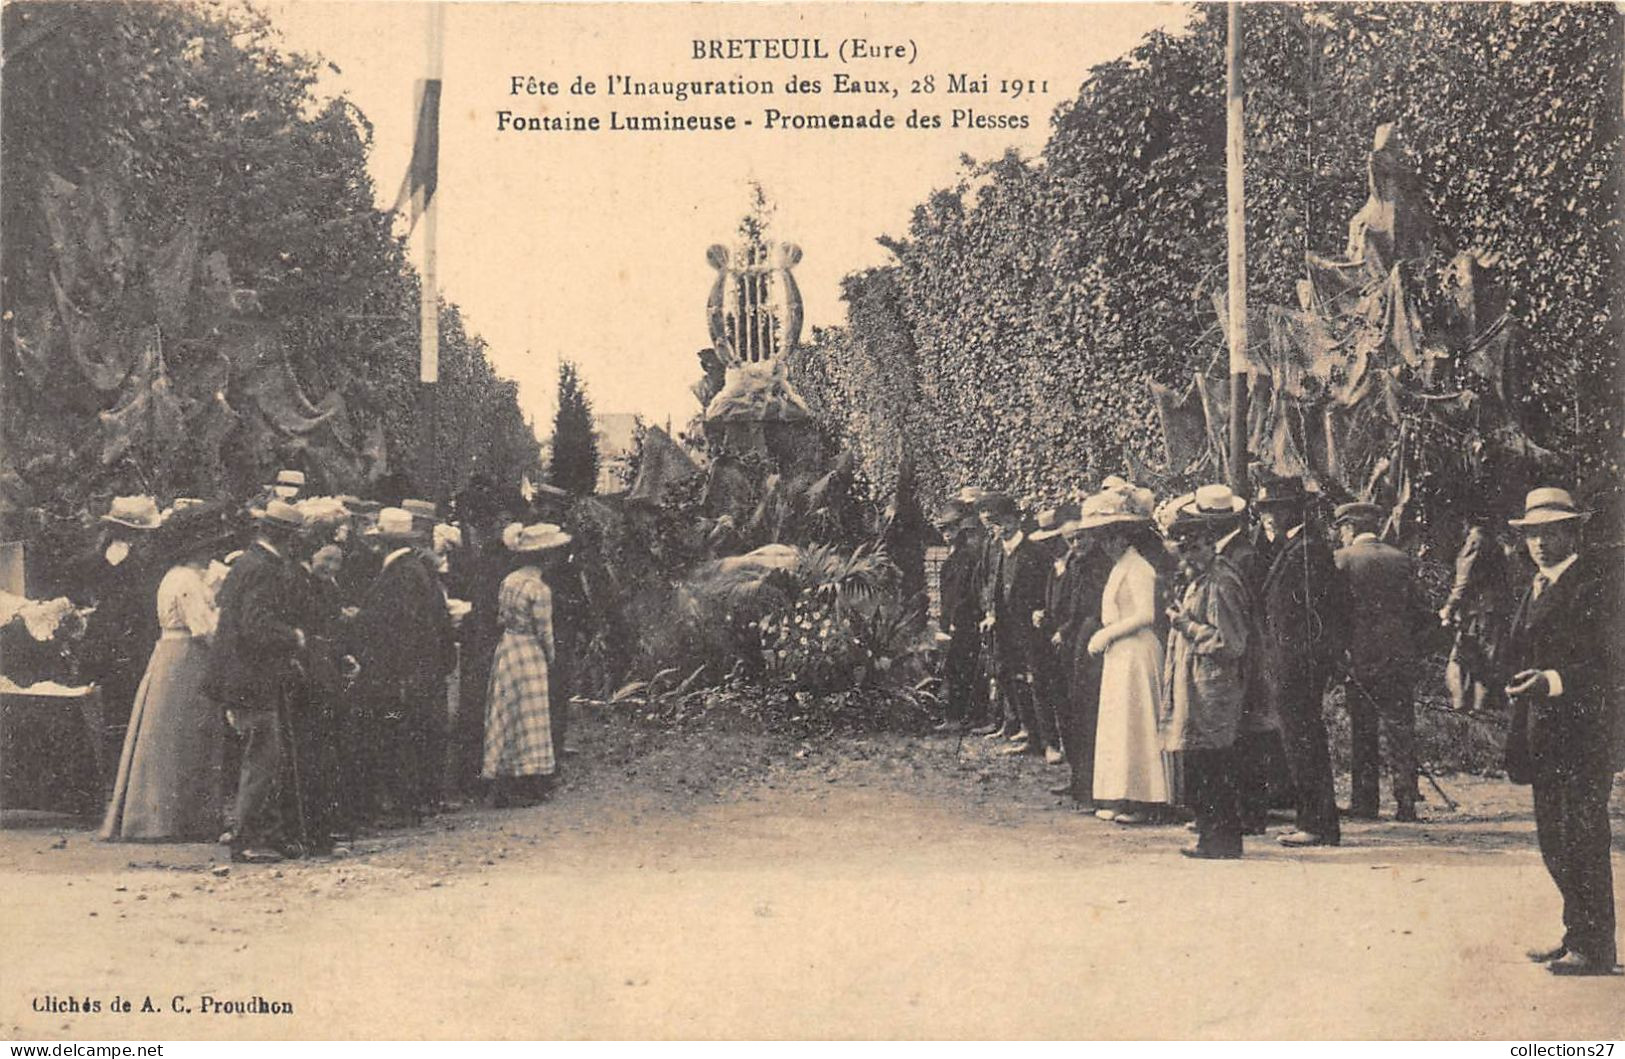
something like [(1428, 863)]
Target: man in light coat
[(1204, 677)]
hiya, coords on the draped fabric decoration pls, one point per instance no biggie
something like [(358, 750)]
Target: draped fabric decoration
[(1391, 376), (190, 386)]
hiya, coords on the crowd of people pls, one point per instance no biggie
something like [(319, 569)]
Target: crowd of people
[(1175, 657), (297, 670), (301, 669)]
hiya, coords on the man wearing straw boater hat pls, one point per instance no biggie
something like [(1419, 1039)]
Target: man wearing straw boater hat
[(254, 665), (1384, 626), (403, 643), (1304, 609), (1558, 650), (1210, 633)]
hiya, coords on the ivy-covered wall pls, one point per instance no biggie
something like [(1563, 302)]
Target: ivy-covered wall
[(1011, 341)]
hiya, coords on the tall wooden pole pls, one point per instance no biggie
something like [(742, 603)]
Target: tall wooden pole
[(1236, 215), (429, 296)]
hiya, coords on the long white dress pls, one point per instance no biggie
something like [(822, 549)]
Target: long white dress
[(169, 775), (1128, 750)]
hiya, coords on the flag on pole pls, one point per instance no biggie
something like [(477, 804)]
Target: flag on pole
[(424, 171)]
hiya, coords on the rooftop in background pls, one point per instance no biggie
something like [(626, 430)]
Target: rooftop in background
[(615, 432)]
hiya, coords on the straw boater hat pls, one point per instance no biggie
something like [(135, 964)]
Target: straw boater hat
[(969, 495), (278, 514), (421, 509), (397, 524), (1211, 505), (290, 480), (1359, 512), (322, 511), (135, 512), (536, 537), (1052, 521), (1118, 504), (1547, 505)]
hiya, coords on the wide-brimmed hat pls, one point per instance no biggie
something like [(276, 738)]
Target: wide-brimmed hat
[(278, 513), (969, 495), (445, 537), (1280, 492), (136, 512), (538, 536), (1052, 521), (997, 505), (357, 506), (326, 511), (953, 512), (421, 509), (1120, 503), (197, 527), (1358, 511), (397, 524), (1546, 505)]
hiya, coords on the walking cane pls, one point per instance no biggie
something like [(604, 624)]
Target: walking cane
[(1420, 768), (286, 724)]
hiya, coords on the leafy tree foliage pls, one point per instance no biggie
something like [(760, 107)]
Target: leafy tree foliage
[(575, 443), (186, 119), (1034, 299)]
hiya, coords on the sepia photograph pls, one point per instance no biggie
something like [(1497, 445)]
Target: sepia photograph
[(804, 521)]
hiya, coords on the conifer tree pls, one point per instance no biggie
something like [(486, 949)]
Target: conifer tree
[(575, 444)]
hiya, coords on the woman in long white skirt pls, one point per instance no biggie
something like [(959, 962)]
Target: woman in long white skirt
[(1130, 780), (168, 787)]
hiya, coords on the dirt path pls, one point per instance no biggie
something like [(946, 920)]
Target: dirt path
[(880, 887)]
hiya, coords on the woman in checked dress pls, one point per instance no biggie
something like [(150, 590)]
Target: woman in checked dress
[(519, 753)]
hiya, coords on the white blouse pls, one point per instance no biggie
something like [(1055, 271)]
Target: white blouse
[(185, 603)]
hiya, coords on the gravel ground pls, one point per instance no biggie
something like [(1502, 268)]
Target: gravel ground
[(726, 881)]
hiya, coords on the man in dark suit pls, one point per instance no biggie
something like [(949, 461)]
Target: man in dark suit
[(961, 610), (253, 666), (1477, 611), (121, 580), (1558, 651), (1044, 658), (1305, 605), (403, 642), (1074, 617), (1015, 589), (1383, 633)]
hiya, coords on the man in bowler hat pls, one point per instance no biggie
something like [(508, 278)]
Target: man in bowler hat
[(1305, 604)]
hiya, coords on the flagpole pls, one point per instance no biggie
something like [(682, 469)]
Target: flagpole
[(429, 296), (1236, 211)]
